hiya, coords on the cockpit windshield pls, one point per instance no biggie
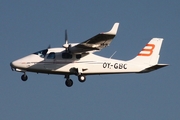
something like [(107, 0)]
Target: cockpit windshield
[(41, 53)]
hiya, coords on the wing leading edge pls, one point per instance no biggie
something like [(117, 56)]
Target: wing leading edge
[(97, 42)]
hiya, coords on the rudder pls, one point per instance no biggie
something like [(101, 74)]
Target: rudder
[(150, 53)]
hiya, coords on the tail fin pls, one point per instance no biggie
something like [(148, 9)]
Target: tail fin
[(150, 53)]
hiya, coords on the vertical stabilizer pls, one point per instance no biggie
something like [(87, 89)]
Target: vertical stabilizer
[(150, 53)]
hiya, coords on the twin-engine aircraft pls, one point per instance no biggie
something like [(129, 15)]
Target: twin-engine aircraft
[(79, 59)]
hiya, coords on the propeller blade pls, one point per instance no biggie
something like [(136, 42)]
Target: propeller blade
[(66, 37), (66, 45)]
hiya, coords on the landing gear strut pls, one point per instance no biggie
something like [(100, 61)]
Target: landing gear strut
[(24, 77), (68, 81)]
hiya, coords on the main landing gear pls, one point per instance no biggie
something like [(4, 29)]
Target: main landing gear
[(69, 82), (82, 78)]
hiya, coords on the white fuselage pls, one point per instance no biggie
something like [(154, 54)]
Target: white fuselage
[(87, 64)]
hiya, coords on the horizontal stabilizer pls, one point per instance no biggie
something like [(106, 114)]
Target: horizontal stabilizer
[(152, 68)]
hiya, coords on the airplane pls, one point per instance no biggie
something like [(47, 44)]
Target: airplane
[(79, 59)]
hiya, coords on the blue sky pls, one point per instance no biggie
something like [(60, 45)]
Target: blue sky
[(29, 26)]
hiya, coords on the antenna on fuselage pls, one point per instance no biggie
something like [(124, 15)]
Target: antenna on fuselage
[(113, 54), (49, 46)]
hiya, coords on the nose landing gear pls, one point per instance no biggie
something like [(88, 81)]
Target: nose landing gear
[(24, 77)]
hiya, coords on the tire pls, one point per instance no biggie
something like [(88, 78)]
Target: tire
[(69, 82), (82, 78), (24, 77)]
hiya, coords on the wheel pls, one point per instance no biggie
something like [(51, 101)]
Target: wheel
[(69, 82), (24, 77), (82, 78)]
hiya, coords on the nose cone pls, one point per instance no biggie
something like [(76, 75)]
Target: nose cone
[(13, 65), (16, 64), (23, 63)]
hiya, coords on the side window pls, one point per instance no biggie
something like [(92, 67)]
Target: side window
[(51, 55), (66, 55), (78, 56)]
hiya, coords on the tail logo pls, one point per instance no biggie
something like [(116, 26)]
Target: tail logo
[(147, 50)]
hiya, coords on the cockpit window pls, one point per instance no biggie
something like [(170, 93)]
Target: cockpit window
[(51, 55), (41, 53), (66, 55)]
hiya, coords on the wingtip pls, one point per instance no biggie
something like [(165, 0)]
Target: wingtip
[(114, 29)]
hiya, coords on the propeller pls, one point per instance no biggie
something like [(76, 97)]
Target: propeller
[(66, 37), (66, 45)]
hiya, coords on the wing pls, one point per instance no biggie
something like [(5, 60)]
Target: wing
[(97, 42)]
